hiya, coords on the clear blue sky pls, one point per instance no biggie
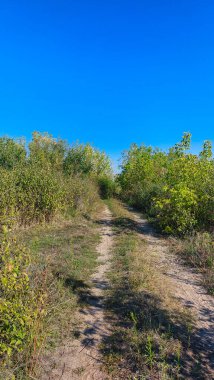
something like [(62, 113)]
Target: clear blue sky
[(108, 72)]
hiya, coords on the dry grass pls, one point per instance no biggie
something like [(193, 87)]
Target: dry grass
[(152, 333), (198, 251), (63, 256)]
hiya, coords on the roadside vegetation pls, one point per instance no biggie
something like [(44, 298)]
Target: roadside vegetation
[(197, 250), (152, 333), (49, 194), (175, 189)]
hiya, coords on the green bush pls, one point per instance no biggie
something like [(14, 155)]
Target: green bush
[(12, 153), (175, 187), (17, 301), (106, 187), (51, 178), (47, 151), (8, 194), (84, 159), (175, 209), (34, 188), (29, 194), (39, 194), (81, 194)]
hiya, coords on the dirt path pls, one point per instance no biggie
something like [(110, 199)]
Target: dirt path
[(187, 289), (81, 359)]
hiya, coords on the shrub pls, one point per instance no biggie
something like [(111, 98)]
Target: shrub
[(39, 194), (8, 198), (177, 188), (33, 189), (17, 306), (81, 194), (47, 151), (29, 194), (176, 209), (84, 159), (12, 153), (106, 187)]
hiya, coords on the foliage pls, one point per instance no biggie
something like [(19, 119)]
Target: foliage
[(18, 309), (36, 183), (8, 198), (175, 209), (12, 152), (39, 194), (47, 151), (107, 187), (86, 160), (81, 194), (175, 188), (52, 178)]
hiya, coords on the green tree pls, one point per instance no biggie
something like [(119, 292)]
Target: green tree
[(12, 152), (177, 188), (47, 151), (84, 159)]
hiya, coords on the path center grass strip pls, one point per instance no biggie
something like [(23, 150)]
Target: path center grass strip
[(151, 334)]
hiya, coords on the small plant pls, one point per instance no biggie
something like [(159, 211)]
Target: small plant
[(134, 319), (178, 358), (149, 351)]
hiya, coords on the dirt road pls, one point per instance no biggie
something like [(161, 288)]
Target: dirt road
[(81, 358)]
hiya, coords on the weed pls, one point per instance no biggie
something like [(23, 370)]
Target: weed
[(149, 352)]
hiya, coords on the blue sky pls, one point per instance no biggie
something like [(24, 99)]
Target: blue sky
[(108, 72)]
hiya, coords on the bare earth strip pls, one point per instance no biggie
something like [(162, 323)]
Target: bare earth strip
[(81, 358), (187, 289)]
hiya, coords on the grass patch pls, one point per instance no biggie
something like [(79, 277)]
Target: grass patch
[(151, 337), (63, 257), (198, 251)]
